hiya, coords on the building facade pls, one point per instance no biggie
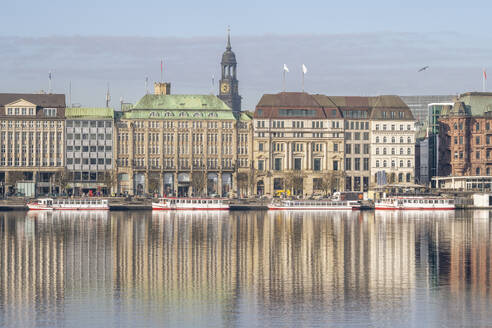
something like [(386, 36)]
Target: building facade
[(393, 142), (32, 139), (465, 136), (89, 150), (419, 105), (181, 145), (298, 145)]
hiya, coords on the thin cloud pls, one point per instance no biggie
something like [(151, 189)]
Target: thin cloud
[(340, 64)]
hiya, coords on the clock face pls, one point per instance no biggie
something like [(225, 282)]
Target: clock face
[(224, 87)]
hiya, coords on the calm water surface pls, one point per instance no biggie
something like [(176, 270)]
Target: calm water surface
[(245, 269)]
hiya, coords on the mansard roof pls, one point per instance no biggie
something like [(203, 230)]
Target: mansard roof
[(39, 99)]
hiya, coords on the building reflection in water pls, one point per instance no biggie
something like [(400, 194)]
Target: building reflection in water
[(243, 268)]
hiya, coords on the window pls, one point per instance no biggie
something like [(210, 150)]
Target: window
[(335, 165), (477, 154), (366, 136), (317, 164), (377, 151), (377, 163), (461, 140), (357, 164), (377, 139), (277, 164), (366, 164), (348, 148), (260, 146), (366, 149), (357, 149), (261, 165), (477, 171), (455, 140), (348, 164), (477, 140), (298, 164), (335, 147), (477, 126)]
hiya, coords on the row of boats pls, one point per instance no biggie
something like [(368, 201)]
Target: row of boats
[(218, 204)]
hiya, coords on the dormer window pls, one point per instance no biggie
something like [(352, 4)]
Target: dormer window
[(168, 114), (51, 112)]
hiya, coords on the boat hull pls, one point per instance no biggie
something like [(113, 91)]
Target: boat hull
[(36, 207), (280, 208), (390, 208), (159, 207)]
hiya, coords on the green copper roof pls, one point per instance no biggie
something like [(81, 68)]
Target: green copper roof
[(478, 103), (181, 102), (245, 117), (178, 115), (89, 112)]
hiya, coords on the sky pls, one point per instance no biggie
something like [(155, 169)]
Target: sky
[(350, 47)]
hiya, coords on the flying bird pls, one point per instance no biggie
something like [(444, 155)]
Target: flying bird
[(423, 69)]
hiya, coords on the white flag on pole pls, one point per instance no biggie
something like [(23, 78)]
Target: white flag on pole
[(304, 69), (286, 68)]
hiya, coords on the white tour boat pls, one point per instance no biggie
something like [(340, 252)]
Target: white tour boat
[(191, 204), (49, 204), (315, 205), (415, 203)]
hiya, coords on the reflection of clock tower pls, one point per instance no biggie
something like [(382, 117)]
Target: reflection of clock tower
[(228, 88)]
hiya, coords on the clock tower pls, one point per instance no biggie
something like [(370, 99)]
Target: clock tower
[(228, 87)]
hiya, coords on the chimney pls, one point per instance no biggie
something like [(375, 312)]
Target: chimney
[(162, 88)]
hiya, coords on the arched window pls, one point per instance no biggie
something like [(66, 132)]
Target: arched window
[(384, 151), (385, 163), (409, 163), (393, 163), (409, 151), (377, 163), (455, 126), (409, 177), (400, 177), (168, 114), (385, 140), (401, 139), (392, 151), (393, 140), (377, 139), (401, 163), (401, 151), (409, 140), (377, 151)]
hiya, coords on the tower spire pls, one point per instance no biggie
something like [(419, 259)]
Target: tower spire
[(228, 38)]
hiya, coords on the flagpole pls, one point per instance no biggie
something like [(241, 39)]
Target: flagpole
[(484, 80), (283, 83)]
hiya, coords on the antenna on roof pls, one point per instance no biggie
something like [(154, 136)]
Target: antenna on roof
[(70, 93), (108, 97), (49, 81)]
